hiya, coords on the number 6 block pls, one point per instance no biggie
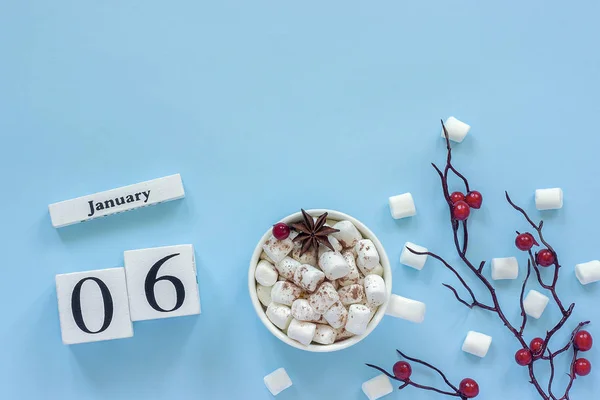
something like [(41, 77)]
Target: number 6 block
[(162, 282), (93, 306)]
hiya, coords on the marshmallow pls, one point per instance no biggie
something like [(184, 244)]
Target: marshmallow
[(367, 255), (343, 334), (279, 315), (352, 294), (377, 387), (334, 243), (324, 334), (308, 277), (334, 265), (348, 235), (337, 315), (284, 292), (287, 267), (535, 303), (410, 310), (588, 272), (402, 206), (303, 311), (301, 331), (310, 257), (335, 284), (378, 270), (323, 298), (277, 381), (505, 268), (410, 259), (353, 276), (477, 344), (457, 130), (358, 318), (549, 199), (276, 249), (264, 294), (264, 256), (330, 222), (265, 273), (375, 291)]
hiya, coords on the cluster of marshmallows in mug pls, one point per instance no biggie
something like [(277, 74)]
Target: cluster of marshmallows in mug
[(321, 296)]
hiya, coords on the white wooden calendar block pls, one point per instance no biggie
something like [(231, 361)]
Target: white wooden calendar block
[(93, 306), (162, 282), (115, 201)]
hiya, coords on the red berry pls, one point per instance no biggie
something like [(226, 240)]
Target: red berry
[(281, 231), (523, 357), (525, 241), (461, 210), (474, 199), (456, 197), (468, 388), (583, 341), (536, 346), (402, 370), (582, 367), (545, 258)]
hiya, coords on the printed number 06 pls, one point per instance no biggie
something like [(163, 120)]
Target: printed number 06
[(151, 280)]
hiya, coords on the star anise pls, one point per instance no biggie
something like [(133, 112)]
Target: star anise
[(313, 233)]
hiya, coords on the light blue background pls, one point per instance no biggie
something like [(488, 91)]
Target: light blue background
[(266, 107)]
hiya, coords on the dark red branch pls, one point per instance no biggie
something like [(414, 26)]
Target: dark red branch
[(461, 249)]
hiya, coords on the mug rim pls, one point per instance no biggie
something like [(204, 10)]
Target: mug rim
[(319, 348)]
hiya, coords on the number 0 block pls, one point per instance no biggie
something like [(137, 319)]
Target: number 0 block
[(162, 282), (93, 306)]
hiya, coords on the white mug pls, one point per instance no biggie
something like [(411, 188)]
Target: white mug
[(343, 344)]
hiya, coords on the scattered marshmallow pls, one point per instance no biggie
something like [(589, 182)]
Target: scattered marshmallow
[(279, 315), (535, 303), (335, 284), (265, 273), (375, 290), (264, 256), (276, 249), (588, 272), (284, 292), (301, 331), (334, 265), (348, 235), (325, 334), (308, 277), (352, 294), (264, 294), (402, 206), (457, 130), (549, 199), (303, 311), (287, 268), (377, 387), (505, 268), (309, 257), (358, 318), (277, 381), (368, 257), (337, 315), (477, 344), (353, 276), (324, 297), (410, 310), (410, 259)]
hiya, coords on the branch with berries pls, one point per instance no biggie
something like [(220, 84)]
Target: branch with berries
[(538, 349)]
